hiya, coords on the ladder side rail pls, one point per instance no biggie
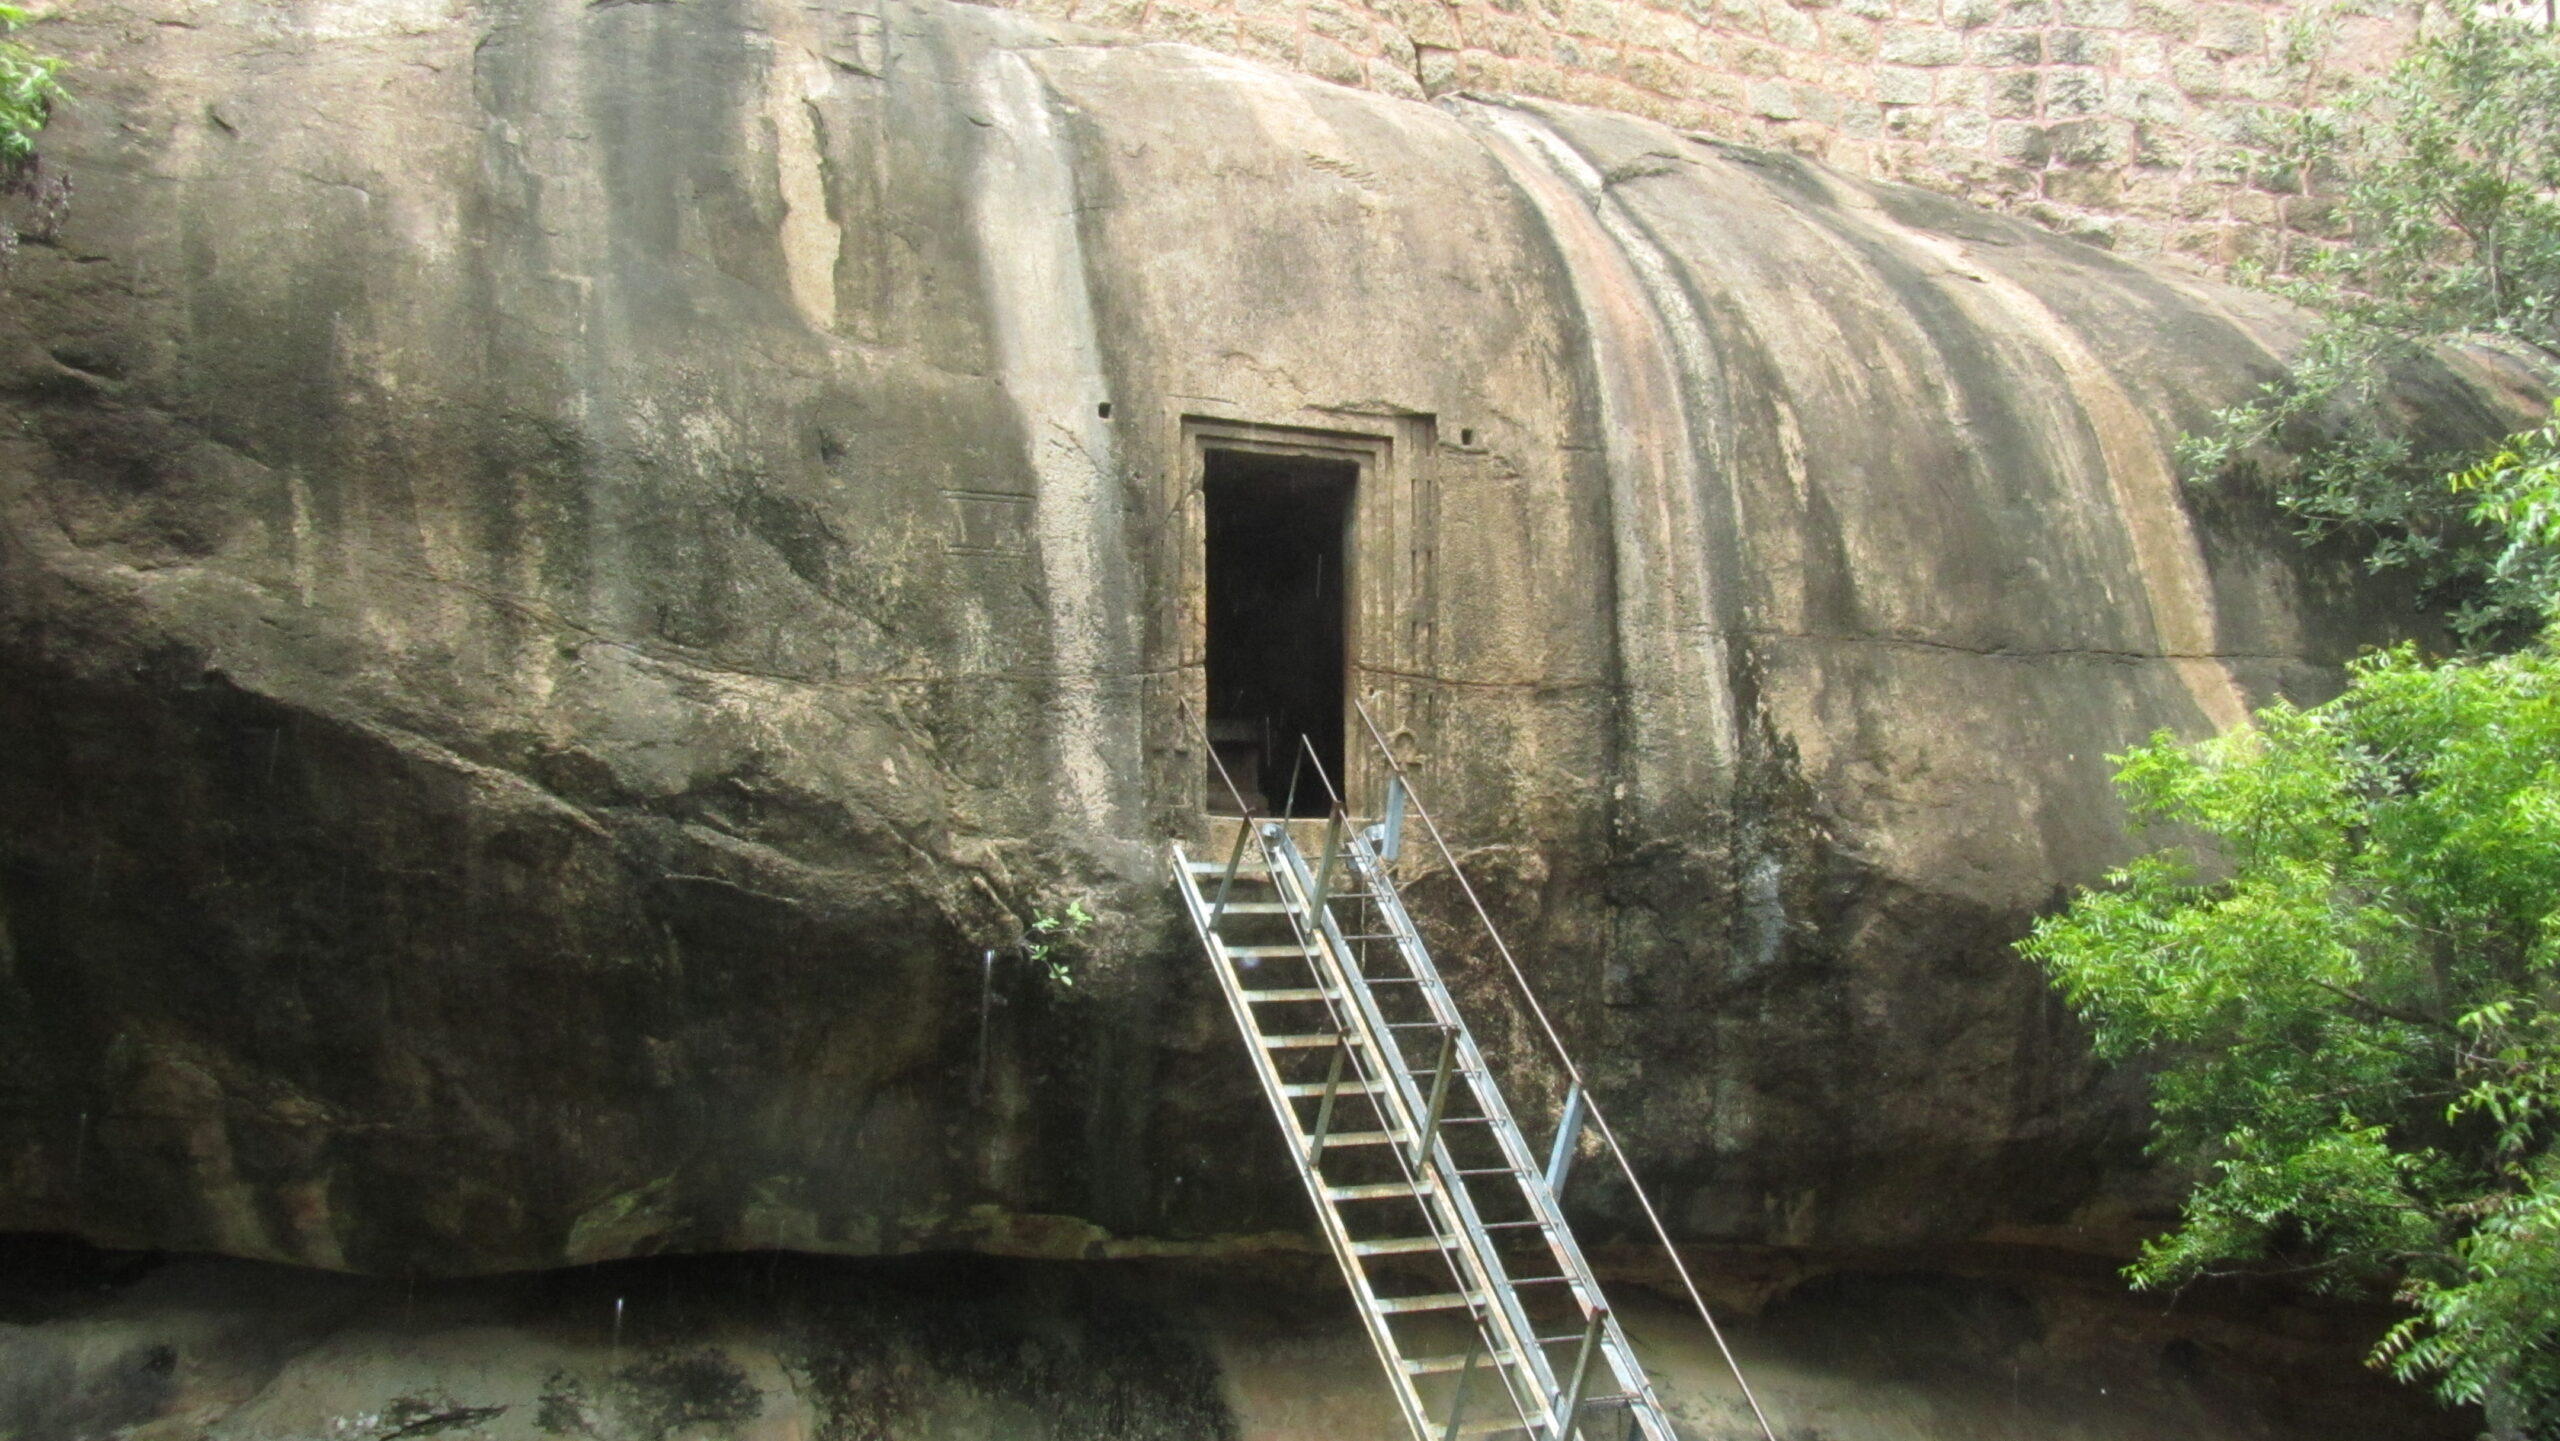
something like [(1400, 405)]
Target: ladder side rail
[(1524, 1376), (1614, 1348), (1337, 1234), (1476, 1246)]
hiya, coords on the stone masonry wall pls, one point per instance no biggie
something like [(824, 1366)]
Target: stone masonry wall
[(2134, 124)]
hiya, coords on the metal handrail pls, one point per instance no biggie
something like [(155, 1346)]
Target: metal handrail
[(1555, 1043), (1348, 1021)]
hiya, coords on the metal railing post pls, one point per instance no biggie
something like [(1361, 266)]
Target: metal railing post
[(1567, 1415), (1235, 858), (1332, 857), (1391, 837), (1458, 1401), (1439, 1095), (1568, 1131), (1324, 1107)]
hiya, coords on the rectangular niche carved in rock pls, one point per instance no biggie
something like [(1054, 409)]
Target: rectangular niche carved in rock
[(1278, 560)]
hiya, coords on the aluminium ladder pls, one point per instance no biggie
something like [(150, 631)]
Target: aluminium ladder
[(1482, 1308)]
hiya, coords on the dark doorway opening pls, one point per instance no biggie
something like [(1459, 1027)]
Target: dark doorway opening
[(1278, 537)]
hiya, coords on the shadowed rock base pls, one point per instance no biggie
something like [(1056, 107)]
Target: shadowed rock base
[(1983, 1347)]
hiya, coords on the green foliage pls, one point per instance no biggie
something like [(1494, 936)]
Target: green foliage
[(2352, 990), (1053, 938), (28, 91), (2446, 178)]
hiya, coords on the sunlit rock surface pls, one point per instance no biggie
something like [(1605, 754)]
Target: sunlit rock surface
[(565, 576)]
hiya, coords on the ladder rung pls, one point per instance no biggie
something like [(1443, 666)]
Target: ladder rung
[(1443, 1365), (1485, 1170), (1249, 908), (1257, 951), (1364, 1138), (1278, 994), (1247, 869), (1490, 1426), (1346, 1087), (1445, 1301), (1372, 1191), (1510, 1225), (1299, 1043), (1400, 1246)]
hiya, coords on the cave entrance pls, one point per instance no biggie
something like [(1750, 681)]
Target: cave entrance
[(1278, 548)]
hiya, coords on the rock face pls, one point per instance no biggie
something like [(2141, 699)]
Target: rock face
[(571, 569)]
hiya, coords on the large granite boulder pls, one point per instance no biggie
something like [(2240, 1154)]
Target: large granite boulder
[(572, 574)]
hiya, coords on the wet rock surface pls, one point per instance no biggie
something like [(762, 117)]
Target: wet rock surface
[(568, 572), (1895, 1348)]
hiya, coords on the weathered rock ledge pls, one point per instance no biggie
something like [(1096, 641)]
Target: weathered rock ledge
[(567, 570)]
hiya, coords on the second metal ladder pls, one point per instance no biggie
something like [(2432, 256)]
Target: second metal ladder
[(1480, 1305)]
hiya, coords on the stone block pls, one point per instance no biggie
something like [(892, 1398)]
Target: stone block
[(2313, 215), (1964, 129), (1861, 119), (1532, 76), (2255, 207), (2069, 93), (2021, 143), (1331, 60), (1920, 45), (2024, 14), (2200, 200), (1771, 99), (1396, 48), (1343, 26), (1117, 14), (2230, 30), (1386, 79), (2152, 195), (1789, 26), (1902, 87), (1707, 87), (2232, 124), (2139, 238), (2204, 242), (1971, 14), (1596, 19), (1194, 27), (1440, 70), (1964, 89), (2198, 73), (2090, 189), (2154, 101), (1262, 39), (2174, 19), (1652, 70), (1424, 22), (1868, 9), (2095, 14), (1910, 122), (2090, 142), (2018, 94), (1751, 58), (2144, 57), (1849, 37), (2249, 77), (2081, 47), (2008, 47)]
